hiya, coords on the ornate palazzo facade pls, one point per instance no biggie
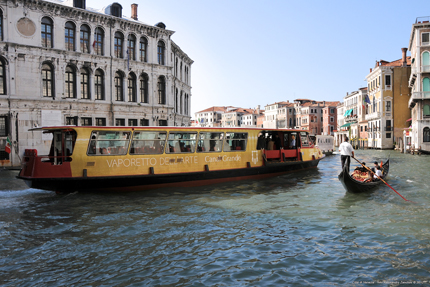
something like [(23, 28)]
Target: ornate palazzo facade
[(62, 63)]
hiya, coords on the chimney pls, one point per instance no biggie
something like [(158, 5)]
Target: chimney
[(134, 11), (370, 70), (404, 63)]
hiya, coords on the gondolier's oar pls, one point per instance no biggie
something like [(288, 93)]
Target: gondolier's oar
[(382, 180)]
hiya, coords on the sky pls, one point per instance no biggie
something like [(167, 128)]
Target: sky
[(250, 53)]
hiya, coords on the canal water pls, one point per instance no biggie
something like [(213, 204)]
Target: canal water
[(300, 229)]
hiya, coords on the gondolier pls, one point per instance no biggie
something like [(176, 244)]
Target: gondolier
[(346, 151)]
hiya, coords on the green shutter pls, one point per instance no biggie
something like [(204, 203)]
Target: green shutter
[(426, 85), (426, 110), (426, 59)]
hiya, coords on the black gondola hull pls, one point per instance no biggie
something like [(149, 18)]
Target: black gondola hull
[(354, 186)]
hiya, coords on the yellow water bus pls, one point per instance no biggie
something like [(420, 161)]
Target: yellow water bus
[(135, 158)]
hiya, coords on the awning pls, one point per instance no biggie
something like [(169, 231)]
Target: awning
[(346, 125), (408, 120), (347, 113)]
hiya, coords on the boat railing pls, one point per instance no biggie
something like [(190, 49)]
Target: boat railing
[(44, 165)]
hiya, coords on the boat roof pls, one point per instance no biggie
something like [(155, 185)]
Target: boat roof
[(46, 128)]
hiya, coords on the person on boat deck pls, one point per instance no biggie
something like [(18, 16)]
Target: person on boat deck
[(346, 151), (374, 168), (378, 173), (277, 142), (361, 168), (293, 142)]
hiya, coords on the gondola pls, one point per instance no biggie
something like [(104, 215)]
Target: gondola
[(355, 186)]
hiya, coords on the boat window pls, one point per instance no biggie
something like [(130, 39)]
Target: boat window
[(109, 143), (304, 139), (290, 140), (210, 142), (148, 142), (63, 142), (180, 142), (235, 141)]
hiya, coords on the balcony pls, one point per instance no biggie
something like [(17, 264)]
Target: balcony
[(389, 129), (417, 96), (372, 116)]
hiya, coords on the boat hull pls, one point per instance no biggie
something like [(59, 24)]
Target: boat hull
[(142, 182), (354, 186)]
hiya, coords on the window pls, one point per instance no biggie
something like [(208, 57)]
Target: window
[(144, 122), (2, 77), (70, 36), (1, 25), (131, 87), (108, 143), (426, 111), (85, 39), (70, 82), (162, 123), (116, 10), (118, 87), (160, 52), (132, 122), (120, 122), (143, 88), (143, 44), (425, 39), (47, 36), (210, 142), (148, 142), (426, 134), (388, 125), (387, 80), (99, 85), (47, 81), (388, 106), (161, 90), (100, 122), (86, 121), (131, 47), (180, 142), (79, 4), (4, 131), (71, 121), (235, 141), (85, 82), (119, 38), (98, 41)]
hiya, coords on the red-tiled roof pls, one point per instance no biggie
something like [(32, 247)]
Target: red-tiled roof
[(397, 63)]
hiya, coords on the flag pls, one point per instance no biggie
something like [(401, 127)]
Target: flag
[(367, 100), (8, 145)]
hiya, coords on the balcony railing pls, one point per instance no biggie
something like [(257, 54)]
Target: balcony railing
[(375, 115), (388, 129)]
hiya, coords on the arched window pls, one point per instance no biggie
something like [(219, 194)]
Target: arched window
[(131, 87), (85, 84), (426, 111), (426, 134), (176, 102), (85, 39), (142, 49), (69, 36), (426, 86), (47, 81), (144, 88), (131, 47), (181, 101), (291, 123), (1, 25), (2, 77), (47, 32), (160, 52), (99, 85), (98, 41), (161, 90), (70, 82), (119, 39), (118, 87)]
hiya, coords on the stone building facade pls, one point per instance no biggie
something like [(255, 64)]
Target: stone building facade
[(62, 63)]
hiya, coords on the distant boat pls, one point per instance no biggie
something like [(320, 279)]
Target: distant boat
[(326, 144), (355, 186)]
